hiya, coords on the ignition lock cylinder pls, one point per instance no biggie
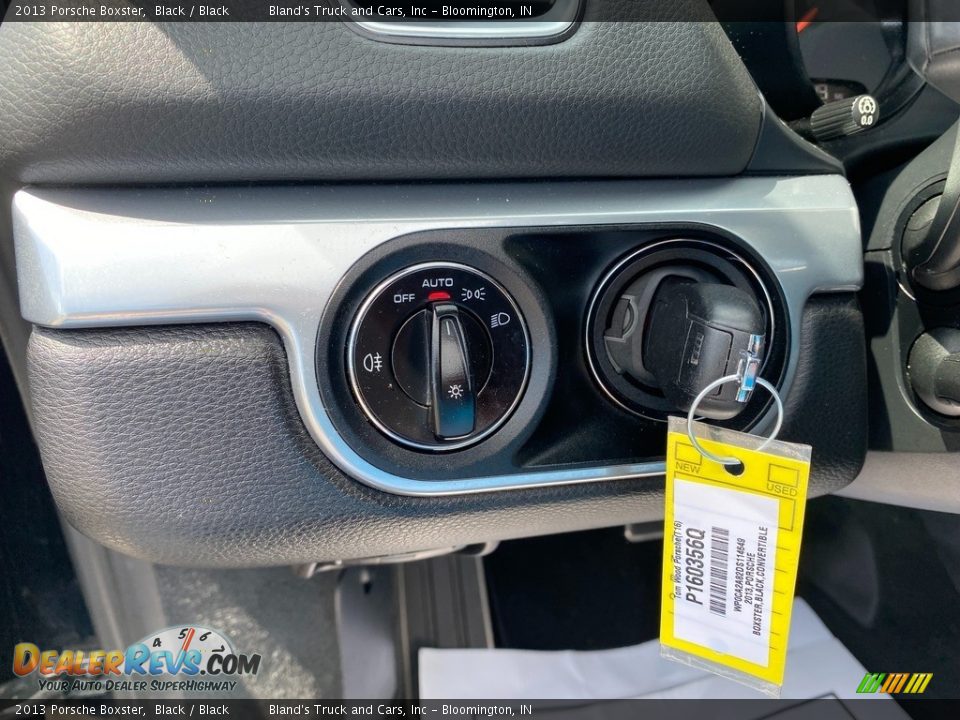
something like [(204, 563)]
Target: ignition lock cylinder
[(701, 332), (673, 318)]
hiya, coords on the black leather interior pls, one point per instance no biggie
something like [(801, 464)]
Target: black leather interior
[(183, 445), (934, 44), (827, 405), (110, 103)]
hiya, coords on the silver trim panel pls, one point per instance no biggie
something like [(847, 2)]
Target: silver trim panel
[(108, 258), (555, 23), (467, 31), (922, 480)]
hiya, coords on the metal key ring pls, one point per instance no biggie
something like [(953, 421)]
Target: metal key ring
[(713, 386)]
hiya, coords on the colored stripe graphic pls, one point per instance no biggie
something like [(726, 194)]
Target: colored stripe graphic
[(918, 683), (871, 682), (893, 683)]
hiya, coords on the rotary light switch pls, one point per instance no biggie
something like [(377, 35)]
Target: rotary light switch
[(438, 356), (451, 386)]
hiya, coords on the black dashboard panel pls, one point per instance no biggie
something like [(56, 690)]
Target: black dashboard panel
[(199, 456), (212, 441), (110, 103)]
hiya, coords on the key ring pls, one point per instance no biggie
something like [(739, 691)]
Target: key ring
[(713, 386)]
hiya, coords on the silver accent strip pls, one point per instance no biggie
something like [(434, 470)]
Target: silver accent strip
[(553, 23), (492, 30), (107, 258)]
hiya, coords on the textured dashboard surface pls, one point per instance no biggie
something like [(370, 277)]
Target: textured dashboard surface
[(188, 102), (827, 407), (183, 445)]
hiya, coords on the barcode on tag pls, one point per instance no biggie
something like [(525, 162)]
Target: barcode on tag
[(719, 549), (723, 568)]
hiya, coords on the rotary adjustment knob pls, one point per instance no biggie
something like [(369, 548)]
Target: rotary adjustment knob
[(438, 356), (844, 117)]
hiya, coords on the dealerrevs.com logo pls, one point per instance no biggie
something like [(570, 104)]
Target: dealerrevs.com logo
[(184, 658)]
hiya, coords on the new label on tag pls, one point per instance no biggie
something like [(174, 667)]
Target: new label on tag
[(731, 545)]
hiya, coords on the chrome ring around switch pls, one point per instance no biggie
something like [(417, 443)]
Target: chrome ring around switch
[(438, 356)]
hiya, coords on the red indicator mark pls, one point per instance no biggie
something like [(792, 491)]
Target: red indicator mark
[(438, 295), (807, 20), (186, 644), (186, 641)]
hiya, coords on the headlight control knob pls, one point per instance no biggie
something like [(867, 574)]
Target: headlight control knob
[(438, 356)]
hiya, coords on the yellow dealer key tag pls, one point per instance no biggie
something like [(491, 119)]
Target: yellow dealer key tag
[(731, 544)]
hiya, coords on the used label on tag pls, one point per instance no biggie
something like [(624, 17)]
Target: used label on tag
[(731, 546)]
